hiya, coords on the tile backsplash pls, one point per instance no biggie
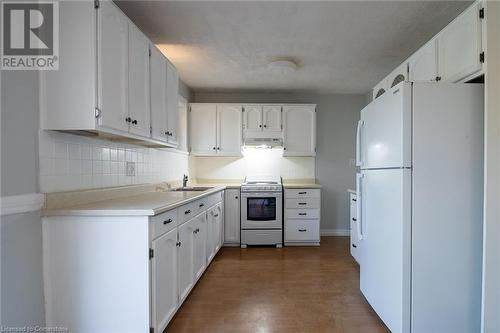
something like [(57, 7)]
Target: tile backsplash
[(72, 162)]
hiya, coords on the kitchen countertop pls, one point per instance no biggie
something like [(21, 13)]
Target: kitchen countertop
[(301, 183), (144, 204)]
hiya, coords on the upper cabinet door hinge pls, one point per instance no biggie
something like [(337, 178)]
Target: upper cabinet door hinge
[(481, 13), (151, 253), (150, 130), (481, 57), (243, 109), (96, 4), (97, 112)]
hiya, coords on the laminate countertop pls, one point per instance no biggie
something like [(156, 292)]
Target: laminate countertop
[(144, 204)]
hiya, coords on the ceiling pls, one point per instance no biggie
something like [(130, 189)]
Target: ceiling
[(339, 46)]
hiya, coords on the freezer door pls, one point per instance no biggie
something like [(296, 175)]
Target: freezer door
[(384, 130), (385, 251)]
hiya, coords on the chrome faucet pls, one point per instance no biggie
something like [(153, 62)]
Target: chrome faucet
[(184, 181)]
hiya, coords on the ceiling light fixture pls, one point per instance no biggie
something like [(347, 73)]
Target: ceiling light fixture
[(284, 66)]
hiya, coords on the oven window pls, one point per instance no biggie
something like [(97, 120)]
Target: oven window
[(261, 209)]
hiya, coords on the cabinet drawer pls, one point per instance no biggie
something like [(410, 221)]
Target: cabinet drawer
[(302, 230), (214, 199), (302, 193), (302, 214), (163, 222), (188, 211), (302, 203)]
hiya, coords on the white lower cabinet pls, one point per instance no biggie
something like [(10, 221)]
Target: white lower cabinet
[(164, 296), (353, 222), (199, 245), (302, 216), (150, 266), (232, 217)]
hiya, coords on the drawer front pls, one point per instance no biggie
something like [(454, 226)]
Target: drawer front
[(302, 214), (302, 203), (302, 193), (201, 204), (214, 199), (163, 222), (188, 211), (302, 230), (352, 198)]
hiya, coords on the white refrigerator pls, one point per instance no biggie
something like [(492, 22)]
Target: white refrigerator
[(420, 195)]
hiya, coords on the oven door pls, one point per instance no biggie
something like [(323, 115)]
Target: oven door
[(261, 210)]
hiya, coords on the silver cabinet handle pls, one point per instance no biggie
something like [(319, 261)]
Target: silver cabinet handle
[(302, 192), (302, 230), (187, 211), (216, 215), (302, 214), (167, 221), (302, 203)]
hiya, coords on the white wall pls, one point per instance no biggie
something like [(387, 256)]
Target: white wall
[(333, 166), (73, 162), (22, 301)]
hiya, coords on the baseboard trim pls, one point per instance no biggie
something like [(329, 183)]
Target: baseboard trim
[(24, 203), (335, 232)]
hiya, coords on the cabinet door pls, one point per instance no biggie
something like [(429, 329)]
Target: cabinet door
[(229, 130), (354, 232), (158, 79), (459, 46), (210, 235), (185, 255), (172, 103), (252, 118), (271, 115), (200, 246), (423, 64), (218, 220), (164, 279), (232, 216), (400, 74), (299, 130), (203, 129), (113, 67), (138, 80)]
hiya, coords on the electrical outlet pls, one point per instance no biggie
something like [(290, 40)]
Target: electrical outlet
[(130, 169)]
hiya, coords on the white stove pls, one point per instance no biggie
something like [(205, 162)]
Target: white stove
[(262, 211)]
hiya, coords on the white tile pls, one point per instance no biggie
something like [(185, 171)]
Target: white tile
[(74, 151), (86, 181), (96, 167), (121, 154), (96, 153), (113, 154), (106, 168), (105, 154), (46, 166), (114, 168), (86, 152), (60, 167), (75, 167), (86, 167), (60, 150), (121, 168)]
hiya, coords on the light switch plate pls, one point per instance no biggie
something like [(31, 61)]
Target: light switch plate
[(130, 169)]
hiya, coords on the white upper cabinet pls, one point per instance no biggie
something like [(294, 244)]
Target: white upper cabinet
[(172, 104), (252, 119), (299, 128), (271, 118), (113, 30), (215, 129), (104, 83), (158, 79), (460, 46), (400, 74), (138, 82), (423, 65), (203, 128), (229, 129), (164, 279)]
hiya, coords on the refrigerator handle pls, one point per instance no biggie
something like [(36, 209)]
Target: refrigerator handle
[(359, 218), (358, 143)]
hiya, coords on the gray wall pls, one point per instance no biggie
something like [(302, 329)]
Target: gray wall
[(22, 299), (336, 125)]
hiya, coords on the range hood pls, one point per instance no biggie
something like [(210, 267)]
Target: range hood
[(263, 142)]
